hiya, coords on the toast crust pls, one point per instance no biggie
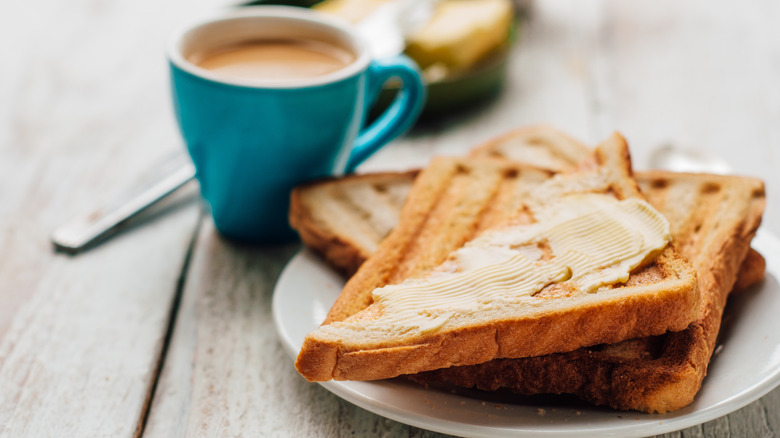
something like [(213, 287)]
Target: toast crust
[(751, 271), (606, 375)]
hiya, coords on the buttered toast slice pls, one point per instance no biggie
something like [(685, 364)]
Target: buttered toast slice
[(713, 220), (665, 382), (524, 288)]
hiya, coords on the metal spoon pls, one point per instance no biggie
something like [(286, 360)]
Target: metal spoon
[(161, 181), (678, 159)]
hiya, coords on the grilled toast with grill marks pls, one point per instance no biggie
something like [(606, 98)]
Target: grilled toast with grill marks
[(582, 372), (713, 220), (445, 209)]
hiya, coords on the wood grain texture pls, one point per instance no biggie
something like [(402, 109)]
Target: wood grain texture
[(226, 373), (225, 370), (700, 75), (84, 110)]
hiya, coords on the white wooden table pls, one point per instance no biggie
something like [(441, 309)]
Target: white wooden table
[(166, 330)]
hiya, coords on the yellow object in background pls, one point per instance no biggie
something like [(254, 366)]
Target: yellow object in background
[(350, 10), (460, 34)]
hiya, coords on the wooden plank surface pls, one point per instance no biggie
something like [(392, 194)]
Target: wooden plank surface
[(84, 109)]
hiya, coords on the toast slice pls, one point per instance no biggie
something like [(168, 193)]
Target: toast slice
[(663, 359), (451, 202), (713, 220), (346, 219)]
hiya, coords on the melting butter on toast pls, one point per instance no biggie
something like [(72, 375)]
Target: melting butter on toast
[(662, 297), (654, 374)]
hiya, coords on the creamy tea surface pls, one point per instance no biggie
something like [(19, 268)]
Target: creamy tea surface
[(275, 60)]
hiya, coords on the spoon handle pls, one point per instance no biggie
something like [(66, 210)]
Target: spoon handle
[(81, 232)]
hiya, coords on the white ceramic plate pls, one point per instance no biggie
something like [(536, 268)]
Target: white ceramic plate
[(745, 368)]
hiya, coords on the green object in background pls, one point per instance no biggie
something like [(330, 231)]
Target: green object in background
[(449, 95), (453, 94)]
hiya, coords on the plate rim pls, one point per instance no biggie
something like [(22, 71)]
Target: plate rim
[(769, 247)]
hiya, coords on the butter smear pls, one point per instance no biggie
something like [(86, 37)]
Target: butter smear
[(581, 241)]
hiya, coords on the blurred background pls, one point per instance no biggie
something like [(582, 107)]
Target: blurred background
[(86, 82)]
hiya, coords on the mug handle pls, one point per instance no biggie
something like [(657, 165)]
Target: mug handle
[(401, 113)]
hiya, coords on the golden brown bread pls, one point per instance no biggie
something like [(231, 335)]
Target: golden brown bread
[(539, 146), (646, 374), (345, 238), (469, 210), (751, 271), (450, 203), (713, 219), (345, 219)]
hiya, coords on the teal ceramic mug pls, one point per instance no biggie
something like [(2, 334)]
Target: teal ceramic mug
[(252, 141)]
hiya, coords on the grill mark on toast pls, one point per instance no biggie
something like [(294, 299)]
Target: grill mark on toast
[(493, 203), (508, 206), (323, 224), (709, 188), (466, 199), (395, 191), (376, 206), (416, 207), (358, 217), (400, 270), (659, 184)]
